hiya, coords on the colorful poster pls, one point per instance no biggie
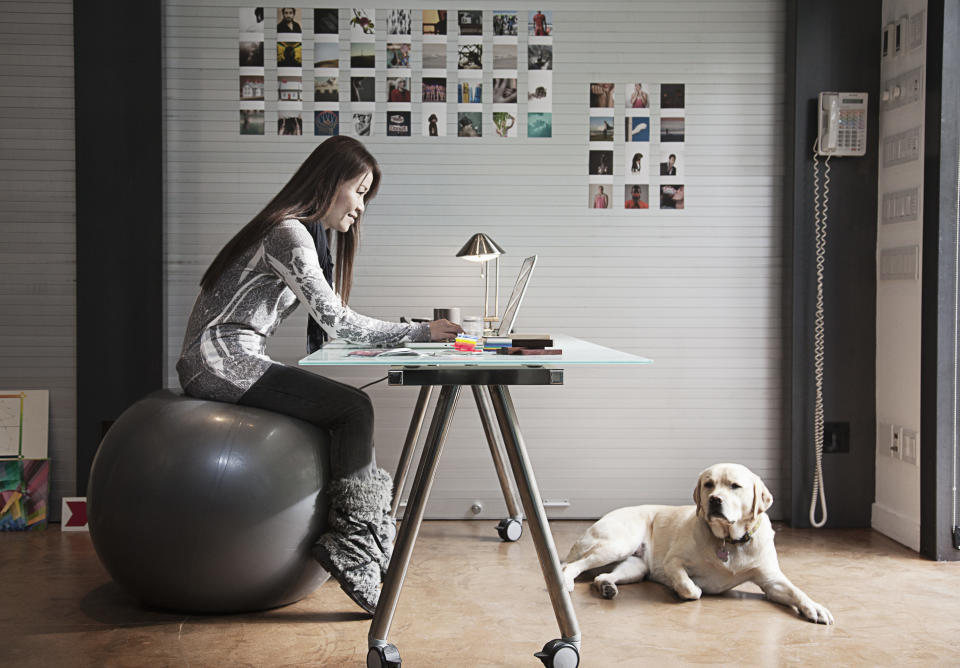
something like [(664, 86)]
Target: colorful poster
[(539, 62), (24, 494), (251, 89)]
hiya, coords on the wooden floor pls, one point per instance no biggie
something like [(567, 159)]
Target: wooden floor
[(471, 600)]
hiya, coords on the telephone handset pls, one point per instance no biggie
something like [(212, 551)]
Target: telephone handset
[(841, 131), (842, 124)]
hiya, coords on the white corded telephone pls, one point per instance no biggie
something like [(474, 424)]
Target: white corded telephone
[(842, 124), (841, 131)]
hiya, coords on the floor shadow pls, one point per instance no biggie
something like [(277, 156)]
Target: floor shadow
[(111, 606)]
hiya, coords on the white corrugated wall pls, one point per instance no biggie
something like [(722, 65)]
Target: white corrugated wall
[(697, 290), (38, 277)]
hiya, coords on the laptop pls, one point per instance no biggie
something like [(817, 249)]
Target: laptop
[(516, 297)]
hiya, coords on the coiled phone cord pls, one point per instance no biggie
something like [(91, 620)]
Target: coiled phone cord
[(820, 221)]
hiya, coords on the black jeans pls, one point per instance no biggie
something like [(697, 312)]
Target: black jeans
[(329, 404)]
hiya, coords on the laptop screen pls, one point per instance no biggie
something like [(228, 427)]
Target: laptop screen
[(516, 297)]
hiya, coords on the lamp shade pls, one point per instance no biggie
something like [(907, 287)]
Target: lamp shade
[(480, 248)]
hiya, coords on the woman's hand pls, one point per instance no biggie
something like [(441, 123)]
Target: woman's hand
[(444, 330)]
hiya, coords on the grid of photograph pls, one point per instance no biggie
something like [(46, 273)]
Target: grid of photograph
[(333, 81), (540, 74), (653, 159), (600, 141), (363, 72), (252, 100), (433, 111), (672, 165), (326, 72), (636, 137), (470, 74), (399, 74), (289, 71), (505, 103)]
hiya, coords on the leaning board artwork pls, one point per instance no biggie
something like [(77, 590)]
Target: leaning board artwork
[(24, 467)]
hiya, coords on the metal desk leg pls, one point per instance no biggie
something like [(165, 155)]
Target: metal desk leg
[(536, 516), (407, 536), (406, 455), (511, 527)]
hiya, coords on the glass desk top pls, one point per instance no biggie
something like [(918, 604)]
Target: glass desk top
[(575, 351)]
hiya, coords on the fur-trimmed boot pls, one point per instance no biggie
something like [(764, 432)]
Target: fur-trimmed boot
[(357, 546)]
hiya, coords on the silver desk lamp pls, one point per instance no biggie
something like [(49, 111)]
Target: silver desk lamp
[(481, 248)]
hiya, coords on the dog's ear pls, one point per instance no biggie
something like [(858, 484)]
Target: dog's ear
[(696, 494), (762, 498)]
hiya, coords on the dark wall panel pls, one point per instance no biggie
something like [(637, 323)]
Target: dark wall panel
[(938, 391), (119, 216), (834, 47)]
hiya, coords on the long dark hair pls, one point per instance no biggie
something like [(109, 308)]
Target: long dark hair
[(307, 196)]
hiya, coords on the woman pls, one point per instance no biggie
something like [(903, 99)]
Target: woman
[(600, 201), (638, 98), (636, 166), (279, 260)]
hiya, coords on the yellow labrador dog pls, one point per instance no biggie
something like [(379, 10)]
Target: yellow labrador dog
[(721, 542)]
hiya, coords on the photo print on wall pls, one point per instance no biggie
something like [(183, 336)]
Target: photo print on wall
[(289, 21), (252, 100), (636, 196), (598, 196), (326, 123), (326, 21), (433, 110)]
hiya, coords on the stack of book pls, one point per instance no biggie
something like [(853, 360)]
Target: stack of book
[(526, 344)]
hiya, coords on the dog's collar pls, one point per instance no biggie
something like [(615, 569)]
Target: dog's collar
[(745, 538), (723, 554)]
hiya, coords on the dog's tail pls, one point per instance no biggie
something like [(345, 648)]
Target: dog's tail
[(581, 549)]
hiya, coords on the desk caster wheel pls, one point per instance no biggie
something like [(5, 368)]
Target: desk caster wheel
[(510, 530), (559, 654), (385, 656)]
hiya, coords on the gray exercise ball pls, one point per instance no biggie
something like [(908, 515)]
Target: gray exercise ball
[(205, 506)]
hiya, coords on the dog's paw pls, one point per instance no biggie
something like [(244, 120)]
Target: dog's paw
[(816, 612), (689, 591), (606, 588), (568, 583)]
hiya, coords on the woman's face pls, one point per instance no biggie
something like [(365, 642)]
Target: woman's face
[(348, 203)]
